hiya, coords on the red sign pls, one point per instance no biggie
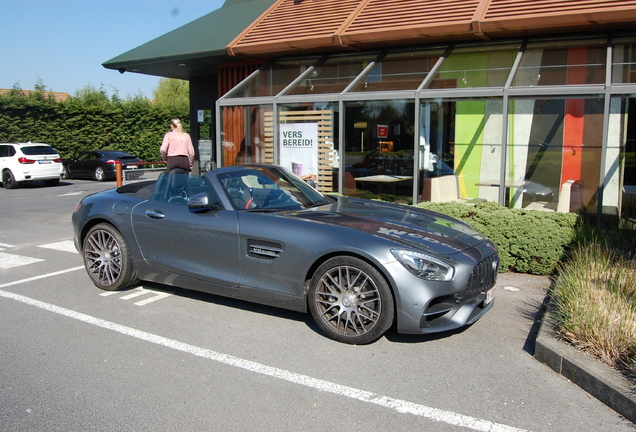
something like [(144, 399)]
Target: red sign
[(383, 131)]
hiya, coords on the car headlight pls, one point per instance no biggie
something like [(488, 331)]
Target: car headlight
[(423, 265)]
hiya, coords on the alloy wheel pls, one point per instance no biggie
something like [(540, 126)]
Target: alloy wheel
[(102, 255), (348, 301)]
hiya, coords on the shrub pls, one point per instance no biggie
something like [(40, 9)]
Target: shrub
[(594, 296), (529, 241)]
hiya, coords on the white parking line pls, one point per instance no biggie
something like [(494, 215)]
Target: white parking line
[(64, 246), (136, 293), (8, 260), (139, 292), (157, 296), (398, 405), (44, 276)]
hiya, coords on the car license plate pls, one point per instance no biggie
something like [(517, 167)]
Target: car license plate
[(44, 161), (131, 166), (490, 296)]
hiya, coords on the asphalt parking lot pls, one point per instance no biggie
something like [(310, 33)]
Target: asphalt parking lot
[(159, 358)]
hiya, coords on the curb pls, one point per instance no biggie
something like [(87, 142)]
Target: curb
[(596, 378)]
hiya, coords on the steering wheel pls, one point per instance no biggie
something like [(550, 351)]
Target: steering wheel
[(275, 197)]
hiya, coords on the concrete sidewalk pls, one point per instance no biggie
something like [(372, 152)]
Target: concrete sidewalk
[(596, 378)]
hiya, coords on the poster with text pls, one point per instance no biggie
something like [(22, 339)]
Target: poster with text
[(299, 149)]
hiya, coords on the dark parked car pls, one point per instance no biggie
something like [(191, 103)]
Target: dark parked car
[(261, 234), (99, 164)]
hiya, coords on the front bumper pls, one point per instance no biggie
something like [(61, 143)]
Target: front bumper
[(431, 307)]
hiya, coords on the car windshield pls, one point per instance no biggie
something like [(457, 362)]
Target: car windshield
[(268, 188), (38, 150)]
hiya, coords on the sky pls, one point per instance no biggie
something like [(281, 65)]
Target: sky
[(63, 43)]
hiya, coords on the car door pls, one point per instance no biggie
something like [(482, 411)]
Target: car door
[(202, 245), (77, 167), (92, 161)]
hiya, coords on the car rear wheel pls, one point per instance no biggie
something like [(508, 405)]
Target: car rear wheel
[(107, 258), (8, 180), (351, 301), (99, 174)]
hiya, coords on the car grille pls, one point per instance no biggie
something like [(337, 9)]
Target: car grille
[(484, 275), (262, 249)]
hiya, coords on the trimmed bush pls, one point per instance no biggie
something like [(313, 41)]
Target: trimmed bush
[(529, 241)]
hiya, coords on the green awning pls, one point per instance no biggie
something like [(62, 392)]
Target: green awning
[(195, 48)]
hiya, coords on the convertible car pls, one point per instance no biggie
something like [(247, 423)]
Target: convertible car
[(261, 234)]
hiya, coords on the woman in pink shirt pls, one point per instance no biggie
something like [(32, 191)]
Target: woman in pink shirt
[(177, 150)]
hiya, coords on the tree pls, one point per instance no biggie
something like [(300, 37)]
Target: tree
[(172, 94), (90, 96)]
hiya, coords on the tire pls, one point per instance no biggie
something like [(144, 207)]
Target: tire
[(351, 301), (66, 173), (107, 258), (52, 182), (8, 180), (99, 174)]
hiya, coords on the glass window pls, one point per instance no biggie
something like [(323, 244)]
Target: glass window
[(272, 78), (460, 144), (555, 152), (247, 135), (379, 147), (308, 144), (620, 167), (399, 71), (205, 148), (624, 62), (333, 76), (38, 150), (563, 63), (178, 187), (471, 67)]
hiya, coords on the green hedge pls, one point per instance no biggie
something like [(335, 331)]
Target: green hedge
[(529, 241), (75, 126)]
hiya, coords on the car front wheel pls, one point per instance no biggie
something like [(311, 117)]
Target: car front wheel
[(8, 180), (99, 174), (351, 301), (107, 258)]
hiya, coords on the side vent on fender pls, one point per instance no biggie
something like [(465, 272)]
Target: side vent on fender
[(261, 249)]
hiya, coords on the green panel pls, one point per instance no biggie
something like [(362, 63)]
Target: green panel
[(469, 137)]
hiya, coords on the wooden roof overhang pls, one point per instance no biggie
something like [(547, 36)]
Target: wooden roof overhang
[(299, 26)]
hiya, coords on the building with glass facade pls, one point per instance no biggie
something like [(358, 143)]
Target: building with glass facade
[(422, 100)]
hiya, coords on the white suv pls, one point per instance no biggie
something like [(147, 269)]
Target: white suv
[(29, 162)]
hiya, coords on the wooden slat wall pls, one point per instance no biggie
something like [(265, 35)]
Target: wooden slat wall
[(392, 14), (293, 26), (232, 74), (268, 132)]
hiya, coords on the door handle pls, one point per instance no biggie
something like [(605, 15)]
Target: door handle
[(155, 214)]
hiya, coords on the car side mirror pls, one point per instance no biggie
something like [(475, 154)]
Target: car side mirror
[(201, 201)]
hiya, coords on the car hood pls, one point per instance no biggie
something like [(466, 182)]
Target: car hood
[(410, 226)]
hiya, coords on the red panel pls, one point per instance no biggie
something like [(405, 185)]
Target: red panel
[(574, 118)]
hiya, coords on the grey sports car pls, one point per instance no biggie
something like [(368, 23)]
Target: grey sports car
[(261, 234)]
